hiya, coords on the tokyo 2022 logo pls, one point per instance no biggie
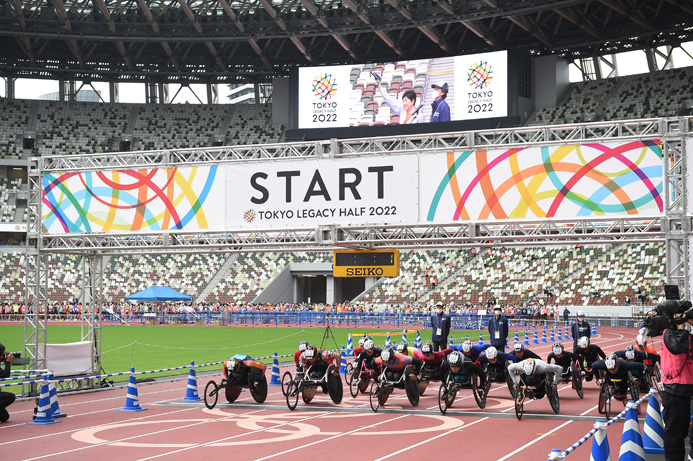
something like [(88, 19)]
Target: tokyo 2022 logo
[(325, 86), (480, 75)]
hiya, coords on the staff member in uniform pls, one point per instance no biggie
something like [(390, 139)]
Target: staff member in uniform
[(580, 328), (440, 322), (498, 329)]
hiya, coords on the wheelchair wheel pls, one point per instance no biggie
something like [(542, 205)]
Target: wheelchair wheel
[(211, 394), (232, 393), (292, 392), (348, 376), (634, 392), (375, 396), (334, 387), (510, 383), (604, 405), (519, 403), (354, 387), (478, 391), (553, 397), (287, 377), (411, 386), (577, 379), (259, 393), (363, 385), (443, 399)]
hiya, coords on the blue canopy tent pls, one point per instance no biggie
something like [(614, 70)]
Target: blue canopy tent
[(158, 294)]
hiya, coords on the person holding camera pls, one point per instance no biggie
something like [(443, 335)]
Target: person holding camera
[(6, 398), (676, 360)]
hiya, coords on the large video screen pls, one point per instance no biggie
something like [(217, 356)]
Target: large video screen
[(468, 87)]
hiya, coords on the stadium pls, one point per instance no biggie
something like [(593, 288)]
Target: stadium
[(288, 171)]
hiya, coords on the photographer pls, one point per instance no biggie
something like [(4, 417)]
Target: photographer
[(676, 360), (6, 398)]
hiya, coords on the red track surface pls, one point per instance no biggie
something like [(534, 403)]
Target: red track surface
[(244, 430)]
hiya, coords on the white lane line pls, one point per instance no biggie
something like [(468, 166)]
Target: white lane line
[(330, 438), (509, 455)]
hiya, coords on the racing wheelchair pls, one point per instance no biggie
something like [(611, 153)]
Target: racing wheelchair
[(496, 374), (358, 380), (307, 386), (233, 387), (618, 389), (381, 388), (525, 392), (448, 390), (287, 377), (427, 374), (573, 375)]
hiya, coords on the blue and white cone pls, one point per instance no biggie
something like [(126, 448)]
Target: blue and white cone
[(191, 394), (556, 455), (526, 342), (275, 371), (517, 338), (466, 337), (342, 365), (600, 443), (52, 392), (388, 343), (543, 336), (350, 345), (535, 340), (417, 341), (631, 442), (404, 337), (613, 323), (450, 343), (653, 431), (132, 401), (44, 412), (559, 336), (481, 338), (599, 322), (552, 337)]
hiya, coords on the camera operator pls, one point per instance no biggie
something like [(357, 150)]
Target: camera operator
[(676, 360), (6, 398)]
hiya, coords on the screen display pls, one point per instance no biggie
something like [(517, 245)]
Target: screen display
[(434, 90), (365, 259)]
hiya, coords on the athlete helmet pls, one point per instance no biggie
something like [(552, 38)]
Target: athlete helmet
[(426, 349), (362, 341), (388, 355), (402, 348), (491, 353), (233, 364), (302, 345), (517, 347), (309, 353), (584, 342), (610, 361), (529, 367), (630, 352), (455, 359), (558, 348), (467, 346), (368, 345)]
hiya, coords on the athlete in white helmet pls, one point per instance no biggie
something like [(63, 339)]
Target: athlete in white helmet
[(532, 372)]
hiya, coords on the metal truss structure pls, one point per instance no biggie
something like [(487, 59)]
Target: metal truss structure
[(673, 226), (214, 41)]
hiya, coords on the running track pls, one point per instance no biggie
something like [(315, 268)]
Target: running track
[(174, 430)]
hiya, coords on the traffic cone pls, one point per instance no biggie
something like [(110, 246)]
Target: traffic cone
[(466, 337), (450, 343), (559, 336), (556, 455), (404, 337), (44, 412), (517, 338), (599, 323), (481, 338), (613, 323), (191, 394), (653, 431), (132, 401), (600, 443), (526, 342), (350, 345), (543, 336), (387, 341), (552, 338), (342, 365), (535, 340), (52, 392), (631, 442), (275, 370), (417, 341)]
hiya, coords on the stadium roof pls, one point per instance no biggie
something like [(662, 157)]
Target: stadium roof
[(254, 40)]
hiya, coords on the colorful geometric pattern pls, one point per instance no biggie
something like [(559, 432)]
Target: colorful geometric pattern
[(479, 75), (325, 86), (129, 200), (557, 181)]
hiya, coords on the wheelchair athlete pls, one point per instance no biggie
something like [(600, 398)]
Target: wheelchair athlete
[(359, 349), (616, 371), (534, 372), (563, 358), (367, 356), (394, 364), (459, 369), (432, 360), (240, 369), (589, 353), (494, 363), (471, 351), (318, 361), (520, 353), (297, 355)]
